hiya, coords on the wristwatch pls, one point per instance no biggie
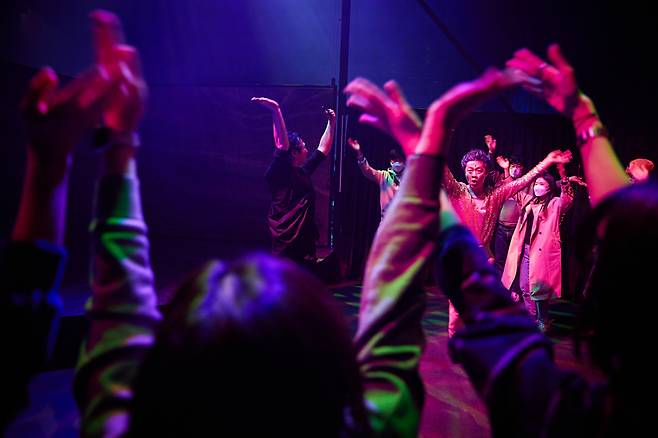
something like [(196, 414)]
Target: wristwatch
[(107, 137), (594, 130)]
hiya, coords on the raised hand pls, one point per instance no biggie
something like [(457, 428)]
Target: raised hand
[(57, 118), (268, 103), (127, 105), (577, 180), (330, 114), (445, 112), (555, 82), (387, 110), (559, 157), (502, 162), (491, 144), (354, 144)]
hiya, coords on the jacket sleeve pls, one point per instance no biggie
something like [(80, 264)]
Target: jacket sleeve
[(122, 310), (390, 338), (509, 362)]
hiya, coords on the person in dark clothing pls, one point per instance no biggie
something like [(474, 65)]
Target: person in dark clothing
[(291, 218)]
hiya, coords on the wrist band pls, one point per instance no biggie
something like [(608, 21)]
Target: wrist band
[(106, 137), (595, 130)]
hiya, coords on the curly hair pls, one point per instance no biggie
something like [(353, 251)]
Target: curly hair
[(476, 155)]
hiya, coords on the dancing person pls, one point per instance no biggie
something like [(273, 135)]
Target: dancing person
[(510, 363), (533, 270), (291, 217), (509, 212), (388, 180), (257, 328)]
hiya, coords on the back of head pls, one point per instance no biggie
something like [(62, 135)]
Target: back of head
[(621, 305), (643, 163), (253, 348)]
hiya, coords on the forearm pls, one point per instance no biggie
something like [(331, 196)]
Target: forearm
[(514, 186), (327, 139), (365, 168), (390, 336), (42, 209), (279, 130), (603, 171), (123, 309)]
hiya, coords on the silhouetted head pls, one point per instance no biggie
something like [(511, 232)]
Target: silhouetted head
[(298, 150), (639, 169), (620, 311), (252, 348)]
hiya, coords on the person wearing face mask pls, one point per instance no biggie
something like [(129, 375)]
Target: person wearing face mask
[(478, 205), (388, 180), (509, 212), (533, 269)]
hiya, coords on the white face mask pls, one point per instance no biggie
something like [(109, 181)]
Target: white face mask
[(397, 166), (540, 190), (515, 172)]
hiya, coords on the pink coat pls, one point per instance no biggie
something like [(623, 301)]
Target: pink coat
[(545, 245)]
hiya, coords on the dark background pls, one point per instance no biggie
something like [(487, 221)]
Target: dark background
[(206, 148)]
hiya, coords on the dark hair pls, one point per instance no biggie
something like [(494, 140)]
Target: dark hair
[(552, 190), (476, 155), (295, 141), (256, 346), (395, 155), (513, 159), (626, 258)]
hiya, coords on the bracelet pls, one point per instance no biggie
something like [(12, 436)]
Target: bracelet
[(106, 137), (593, 131), (361, 159)]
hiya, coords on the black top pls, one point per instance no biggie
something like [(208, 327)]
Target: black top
[(291, 218)]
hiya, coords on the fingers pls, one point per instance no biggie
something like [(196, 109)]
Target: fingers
[(371, 120), (133, 85), (37, 96), (557, 59), (530, 59), (366, 95), (107, 33), (395, 93)]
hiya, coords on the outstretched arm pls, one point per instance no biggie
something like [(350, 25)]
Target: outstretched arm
[(556, 83), (366, 170), (123, 308), (506, 191), (390, 337), (56, 119), (327, 140), (278, 124)]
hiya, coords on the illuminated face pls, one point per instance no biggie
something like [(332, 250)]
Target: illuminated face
[(475, 172), (515, 170), (397, 166), (541, 187)]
